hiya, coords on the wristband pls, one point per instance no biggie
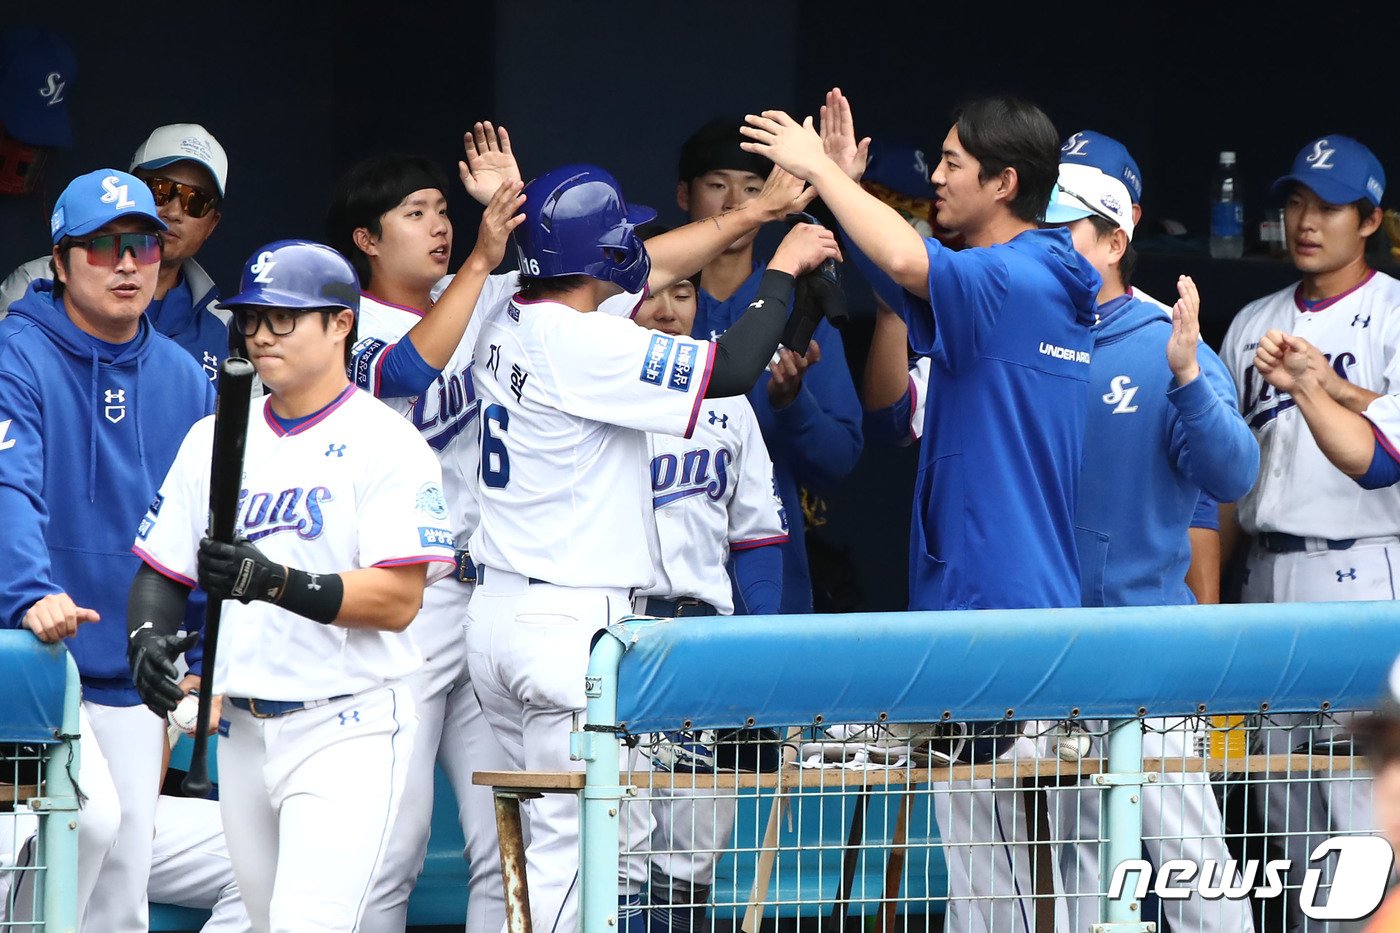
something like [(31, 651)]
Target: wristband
[(316, 596)]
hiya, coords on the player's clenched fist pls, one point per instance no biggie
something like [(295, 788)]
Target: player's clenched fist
[(805, 247), (56, 617), (152, 660), (1289, 363), (239, 571)]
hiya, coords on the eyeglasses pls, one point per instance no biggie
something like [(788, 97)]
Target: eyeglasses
[(1098, 211), (280, 321), (196, 202), (108, 249)]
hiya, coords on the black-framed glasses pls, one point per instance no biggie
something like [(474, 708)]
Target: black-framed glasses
[(1098, 211), (280, 321), (194, 201), (108, 249)]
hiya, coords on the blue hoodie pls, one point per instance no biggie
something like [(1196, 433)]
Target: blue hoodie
[(815, 441), (89, 430), (1150, 448), (1006, 329)]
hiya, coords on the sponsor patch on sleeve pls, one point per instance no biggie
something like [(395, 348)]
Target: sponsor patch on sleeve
[(436, 537), (683, 373), (362, 360), (658, 354), (145, 527), (156, 503)]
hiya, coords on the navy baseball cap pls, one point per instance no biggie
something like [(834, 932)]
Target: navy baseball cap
[(96, 199), (1337, 169), (902, 168), (1107, 155), (37, 69)]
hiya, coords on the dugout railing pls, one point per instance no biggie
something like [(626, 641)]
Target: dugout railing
[(39, 794), (1233, 702)]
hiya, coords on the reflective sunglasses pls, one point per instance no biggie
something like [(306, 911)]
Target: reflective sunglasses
[(108, 249), (280, 321), (196, 202)]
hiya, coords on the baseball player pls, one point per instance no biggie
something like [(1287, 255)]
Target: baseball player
[(1156, 436), (1006, 326), (390, 213), (187, 171), (342, 510), (714, 498), (806, 404), (92, 405), (566, 533), (1317, 535)]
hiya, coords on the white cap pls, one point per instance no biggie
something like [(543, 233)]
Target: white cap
[(1084, 191), (183, 142)]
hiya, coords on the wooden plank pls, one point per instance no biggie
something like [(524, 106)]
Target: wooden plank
[(1032, 770)]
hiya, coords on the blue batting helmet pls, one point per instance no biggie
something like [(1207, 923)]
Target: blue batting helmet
[(577, 223), (297, 274)]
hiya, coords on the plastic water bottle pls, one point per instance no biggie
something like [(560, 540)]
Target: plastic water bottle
[(1226, 212)]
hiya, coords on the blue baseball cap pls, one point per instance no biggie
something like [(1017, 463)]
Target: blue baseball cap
[(37, 69), (1337, 169), (1107, 155), (96, 199)]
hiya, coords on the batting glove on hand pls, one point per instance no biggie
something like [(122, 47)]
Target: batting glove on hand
[(152, 659), (239, 571)]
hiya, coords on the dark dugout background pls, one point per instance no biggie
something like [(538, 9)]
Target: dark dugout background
[(299, 91)]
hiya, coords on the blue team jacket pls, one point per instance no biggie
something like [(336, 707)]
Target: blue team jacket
[(1007, 330), (89, 431), (815, 441), (1150, 448)]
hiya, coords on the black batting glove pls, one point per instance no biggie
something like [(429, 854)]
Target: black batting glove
[(152, 659), (239, 571)]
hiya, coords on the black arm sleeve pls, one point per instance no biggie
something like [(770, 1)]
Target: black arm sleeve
[(157, 600), (744, 350)]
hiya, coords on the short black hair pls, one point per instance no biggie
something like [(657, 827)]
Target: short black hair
[(716, 146), (368, 191), (1104, 227), (535, 287), (1007, 132)]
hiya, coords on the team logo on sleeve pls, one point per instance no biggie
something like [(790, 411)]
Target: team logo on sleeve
[(684, 370), (156, 503), (363, 358), (658, 354), (430, 501)]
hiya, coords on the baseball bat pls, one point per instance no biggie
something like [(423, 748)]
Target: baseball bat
[(225, 482)]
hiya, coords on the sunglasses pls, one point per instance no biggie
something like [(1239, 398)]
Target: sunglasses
[(196, 202), (280, 321), (108, 249), (1091, 206)]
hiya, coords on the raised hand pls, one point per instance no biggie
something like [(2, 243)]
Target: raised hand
[(1186, 332), (783, 193), (838, 133), (795, 146), (501, 217), (805, 247), (489, 163)]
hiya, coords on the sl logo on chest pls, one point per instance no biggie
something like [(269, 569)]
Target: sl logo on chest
[(1121, 394), (674, 478)]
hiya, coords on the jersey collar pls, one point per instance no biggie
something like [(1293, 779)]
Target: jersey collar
[(1326, 303)]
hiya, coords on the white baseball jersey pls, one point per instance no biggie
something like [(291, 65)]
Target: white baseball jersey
[(1299, 492), (354, 486), (712, 494), (445, 415), (565, 400), (1384, 415)]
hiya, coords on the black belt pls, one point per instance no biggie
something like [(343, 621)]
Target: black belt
[(683, 608), (1279, 543), (481, 577), (466, 569), (268, 709)]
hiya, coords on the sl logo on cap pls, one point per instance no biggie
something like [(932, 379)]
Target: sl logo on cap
[(1321, 155), (262, 269), (1075, 145), (116, 194), (53, 90)]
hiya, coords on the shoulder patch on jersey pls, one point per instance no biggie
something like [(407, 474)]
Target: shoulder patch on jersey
[(145, 527), (363, 358), (156, 503), (684, 370), (658, 355), (430, 501), (436, 537)]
